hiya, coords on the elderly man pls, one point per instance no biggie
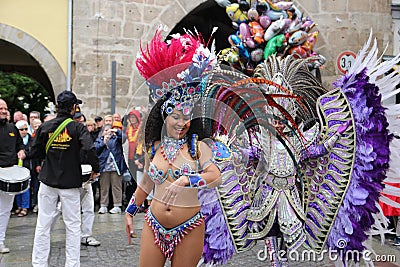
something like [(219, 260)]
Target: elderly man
[(33, 115), (18, 116)]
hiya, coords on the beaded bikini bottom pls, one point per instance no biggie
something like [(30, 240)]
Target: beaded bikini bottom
[(168, 239)]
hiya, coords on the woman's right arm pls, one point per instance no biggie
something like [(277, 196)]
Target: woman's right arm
[(142, 191)]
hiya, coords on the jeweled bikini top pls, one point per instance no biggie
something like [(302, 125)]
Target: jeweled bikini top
[(170, 149)]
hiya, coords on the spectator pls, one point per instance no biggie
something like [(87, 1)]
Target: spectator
[(132, 136), (108, 119), (99, 124), (117, 117), (23, 199), (34, 174), (35, 125), (33, 115), (139, 158), (112, 167), (131, 132), (18, 116), (92, 128), (117, 125), (87, 202)]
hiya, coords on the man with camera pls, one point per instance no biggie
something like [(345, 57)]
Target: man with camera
[(112, 167)]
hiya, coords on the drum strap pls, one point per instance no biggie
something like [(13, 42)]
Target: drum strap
[(57, 132)]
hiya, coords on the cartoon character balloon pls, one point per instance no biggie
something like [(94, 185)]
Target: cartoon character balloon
[(266, 27)]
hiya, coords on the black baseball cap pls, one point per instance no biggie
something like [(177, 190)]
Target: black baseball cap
[(67, 97), (98, 118), (78, 112)]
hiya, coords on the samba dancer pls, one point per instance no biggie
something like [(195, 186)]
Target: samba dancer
[(11, 149), (177, 164)]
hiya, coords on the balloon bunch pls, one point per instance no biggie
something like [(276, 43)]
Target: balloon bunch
[(266, 27)]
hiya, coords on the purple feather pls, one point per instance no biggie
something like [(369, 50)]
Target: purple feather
[(218, 245), (354, 218)]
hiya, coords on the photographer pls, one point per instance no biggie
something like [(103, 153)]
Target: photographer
[(112, 166)]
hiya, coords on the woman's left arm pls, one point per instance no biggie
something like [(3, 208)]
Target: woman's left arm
[(209, 175)]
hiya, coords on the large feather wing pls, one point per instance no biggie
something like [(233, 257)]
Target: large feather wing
[(358, 214), (327, 178), (233, 120)]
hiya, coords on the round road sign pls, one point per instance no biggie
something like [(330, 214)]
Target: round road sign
[(345, 60)]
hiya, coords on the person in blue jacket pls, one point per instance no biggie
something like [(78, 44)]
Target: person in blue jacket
[(112, 167)]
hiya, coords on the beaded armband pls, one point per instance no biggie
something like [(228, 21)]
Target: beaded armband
[(331, 141), (132, 208), (193, 147), (196, 181)]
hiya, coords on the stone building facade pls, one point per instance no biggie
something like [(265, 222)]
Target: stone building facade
[(111, 30)]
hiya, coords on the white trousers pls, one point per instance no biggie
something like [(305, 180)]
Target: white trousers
[(87, 203), (6, 202), (71, 209)]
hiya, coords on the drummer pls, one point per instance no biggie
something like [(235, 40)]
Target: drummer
[(61, 178), (11, 149)]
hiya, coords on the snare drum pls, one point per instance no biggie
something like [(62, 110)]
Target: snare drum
[(14, 180), (86, 171)]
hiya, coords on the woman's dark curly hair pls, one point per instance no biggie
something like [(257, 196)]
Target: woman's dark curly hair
[(154, 125)]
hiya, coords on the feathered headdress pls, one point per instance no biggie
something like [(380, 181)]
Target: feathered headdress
[(174, 69)]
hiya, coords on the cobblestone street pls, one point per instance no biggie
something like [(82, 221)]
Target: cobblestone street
[(114, 251)]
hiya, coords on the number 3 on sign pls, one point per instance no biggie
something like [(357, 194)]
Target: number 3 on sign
[(345, 60)]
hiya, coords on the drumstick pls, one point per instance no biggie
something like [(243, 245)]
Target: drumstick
[(88, 181)]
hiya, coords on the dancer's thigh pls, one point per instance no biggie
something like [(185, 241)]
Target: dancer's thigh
[(189, 250), (150, 254)]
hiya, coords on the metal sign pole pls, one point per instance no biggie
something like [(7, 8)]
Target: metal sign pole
[(113, 85)]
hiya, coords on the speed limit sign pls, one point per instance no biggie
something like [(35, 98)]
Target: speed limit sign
[(345, 60)]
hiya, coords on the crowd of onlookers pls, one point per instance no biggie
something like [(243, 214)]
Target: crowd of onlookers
[(126, 128), (27, 128), (119, 171)]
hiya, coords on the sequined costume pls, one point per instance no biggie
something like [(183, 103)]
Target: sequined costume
[(168, 239), (277, 199), (273, 177), (174, 72)]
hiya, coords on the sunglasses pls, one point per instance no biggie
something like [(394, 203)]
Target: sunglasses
[(24, 129)]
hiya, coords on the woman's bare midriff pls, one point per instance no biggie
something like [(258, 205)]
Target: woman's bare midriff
[(186, 203), (171, 216)]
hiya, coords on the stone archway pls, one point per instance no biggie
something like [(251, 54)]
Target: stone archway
[(27, 55)]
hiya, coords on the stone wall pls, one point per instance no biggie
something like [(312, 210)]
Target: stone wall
[(111, 30)]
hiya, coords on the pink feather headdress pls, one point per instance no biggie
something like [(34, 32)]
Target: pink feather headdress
[(174, 69), (159, 55)]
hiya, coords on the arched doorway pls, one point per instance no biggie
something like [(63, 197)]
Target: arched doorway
[(22, 53)]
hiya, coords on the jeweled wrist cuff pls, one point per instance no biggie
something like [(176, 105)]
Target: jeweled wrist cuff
[(196, 181), (132, 208)]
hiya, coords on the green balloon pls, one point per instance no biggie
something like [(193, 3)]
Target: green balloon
[(273, 44)]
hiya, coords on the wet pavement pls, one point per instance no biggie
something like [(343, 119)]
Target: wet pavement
[(114, 250)]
